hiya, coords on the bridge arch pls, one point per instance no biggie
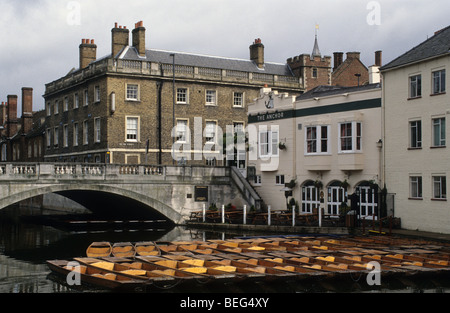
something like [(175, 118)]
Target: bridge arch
[(75, 191)]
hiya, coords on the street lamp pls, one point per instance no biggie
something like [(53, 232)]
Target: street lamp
[(286, 194)]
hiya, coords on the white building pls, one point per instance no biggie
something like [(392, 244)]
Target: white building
[(416, 112), (326, 140)]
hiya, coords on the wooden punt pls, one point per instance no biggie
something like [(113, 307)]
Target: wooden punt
[(97, 277), (197, 268), (99, 249), (123, 249), (146, 248), (118, 266)]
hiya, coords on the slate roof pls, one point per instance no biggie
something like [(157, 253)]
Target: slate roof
[(324, 91), (197, 60), (436, 46)]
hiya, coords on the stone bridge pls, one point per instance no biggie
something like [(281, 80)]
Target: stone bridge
[(172, 192)]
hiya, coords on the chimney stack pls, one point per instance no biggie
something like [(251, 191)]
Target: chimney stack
[(257, 53), (378, 58), (353, 55), (88, 52), (120, 39), (139, 38), (27, 110), (11, 122), (338, 59)]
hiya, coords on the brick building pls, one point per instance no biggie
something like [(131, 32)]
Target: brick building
[(351, 72), (21, 138), (122, 108)]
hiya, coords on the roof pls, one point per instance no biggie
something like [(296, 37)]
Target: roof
[(197, 60), (324, 91), (316, 50), (436, 46)]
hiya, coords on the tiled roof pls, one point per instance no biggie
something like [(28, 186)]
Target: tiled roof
[(197, 60), (435, 46)]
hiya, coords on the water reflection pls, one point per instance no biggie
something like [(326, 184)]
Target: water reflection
[(25, 247)]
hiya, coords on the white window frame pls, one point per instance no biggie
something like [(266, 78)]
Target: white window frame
[(132, 92), (208, 133), (182, 128), (211, 97), (439, 187), (128, 130), (415, 86), (356, 139), (257, 180), (439, 132), (49, 109), (438, 82), (415, 187), (182, 96), (238, 99), (97, 129), (269, 139), (415, 134), (318, 140)]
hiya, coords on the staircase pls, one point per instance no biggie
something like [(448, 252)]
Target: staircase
[(247, 190)]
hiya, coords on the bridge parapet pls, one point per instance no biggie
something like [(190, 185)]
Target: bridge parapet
[(111, 172)]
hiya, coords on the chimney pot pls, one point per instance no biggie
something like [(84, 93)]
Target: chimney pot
[(92, 41), (378, 58), (115, 25)]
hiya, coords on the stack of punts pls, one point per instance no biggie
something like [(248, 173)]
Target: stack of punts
[(146, 264)]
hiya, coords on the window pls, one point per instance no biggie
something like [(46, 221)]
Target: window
[(132, 92), (97, 130), (238, 99), (76, 101), (85, 133), (49, 138), (439, 187), (182, 128), (132, 129), (182, 96), (210, 131), (56, 137), (415, 186), (257, 180), (316, 139), (56, 108), (438, 82), (66, 135), (415, 86), (97, 94), (66, 104), (268, 143), (439, 132), (211, 98), (48, 109), (279, 180), (86, 98), (415, 134), (314, 73), (350, 135), (75, 134)]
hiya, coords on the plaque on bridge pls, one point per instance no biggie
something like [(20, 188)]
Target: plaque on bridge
[(201, 194)]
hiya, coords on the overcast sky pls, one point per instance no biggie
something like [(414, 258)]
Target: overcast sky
[(40, 38)]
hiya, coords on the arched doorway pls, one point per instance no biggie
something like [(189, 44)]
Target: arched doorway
[(368, 200), (336, 195), (310, 197)]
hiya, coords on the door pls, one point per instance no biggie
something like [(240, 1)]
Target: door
[(368, 202), (310, 198), (336, 195)]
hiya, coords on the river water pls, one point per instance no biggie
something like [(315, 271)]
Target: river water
[(26, 246)]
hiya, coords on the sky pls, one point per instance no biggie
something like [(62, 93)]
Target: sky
[(39, 39)]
